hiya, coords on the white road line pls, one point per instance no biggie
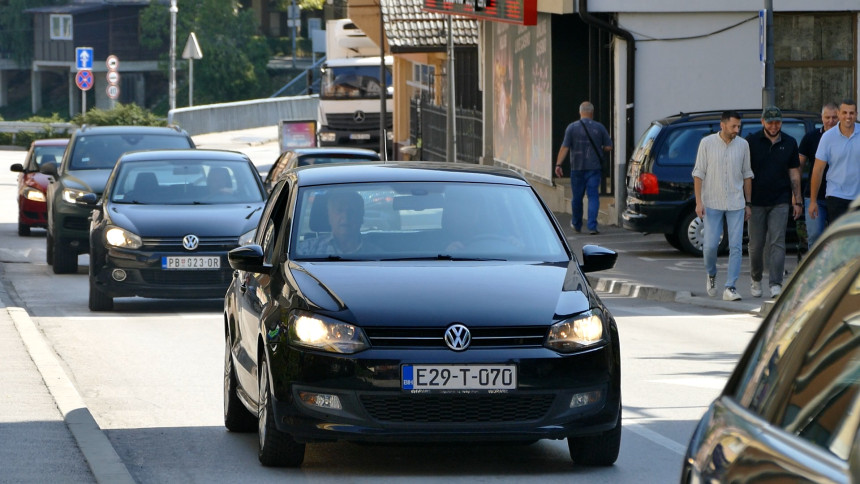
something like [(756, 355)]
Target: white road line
[(657, 438)]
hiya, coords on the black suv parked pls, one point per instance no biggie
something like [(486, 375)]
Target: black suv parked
[(87, 162), (660, 196)]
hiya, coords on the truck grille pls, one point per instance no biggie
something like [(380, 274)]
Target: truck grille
[(346, 122)]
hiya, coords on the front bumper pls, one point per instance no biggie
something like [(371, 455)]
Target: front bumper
[(375, 409), (33, 213), (145, 277)]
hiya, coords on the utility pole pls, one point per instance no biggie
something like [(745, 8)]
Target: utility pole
[(293, 20), (173, 10), (451, 151), (383, 90), (768, 92)]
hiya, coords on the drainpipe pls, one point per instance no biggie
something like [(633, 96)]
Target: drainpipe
[(620, 175)]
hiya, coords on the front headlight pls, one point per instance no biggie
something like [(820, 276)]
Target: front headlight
[(318, 332), (70, 194), (34, 194), (120, 237), (328, 137), (247, 238), (576, 333)]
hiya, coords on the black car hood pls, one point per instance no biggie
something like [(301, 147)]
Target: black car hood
[(430, 294), (179, 220), (90, 180)]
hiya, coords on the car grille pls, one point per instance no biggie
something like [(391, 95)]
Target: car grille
[(492, 337), (457, 408), (347, 122), (191, 278), (174, 244)]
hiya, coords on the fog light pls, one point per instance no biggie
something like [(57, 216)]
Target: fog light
[(320, 400), (583, 399), (118, 275)]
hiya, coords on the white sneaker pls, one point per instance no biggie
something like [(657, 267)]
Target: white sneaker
[(775, 290), (711, 285), (730, 294), (755, 288)]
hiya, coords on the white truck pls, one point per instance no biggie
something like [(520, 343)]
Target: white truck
[(349, 102)]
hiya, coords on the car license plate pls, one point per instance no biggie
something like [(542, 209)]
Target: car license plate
[(459, 377), (359, 136), (191, 262)]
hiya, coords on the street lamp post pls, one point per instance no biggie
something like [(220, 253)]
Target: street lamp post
[(173, 10)]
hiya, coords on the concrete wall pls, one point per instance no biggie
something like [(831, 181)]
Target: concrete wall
[(216, 118)]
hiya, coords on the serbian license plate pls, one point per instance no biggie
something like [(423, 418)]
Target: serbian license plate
[(191, 262), (459, 377), (364, 136)]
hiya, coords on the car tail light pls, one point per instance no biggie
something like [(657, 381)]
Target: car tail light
[(647, 184)]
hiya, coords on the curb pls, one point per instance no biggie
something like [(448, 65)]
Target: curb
[(653, 293)]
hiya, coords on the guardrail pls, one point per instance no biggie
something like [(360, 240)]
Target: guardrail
[(255, 113), (16, 127)]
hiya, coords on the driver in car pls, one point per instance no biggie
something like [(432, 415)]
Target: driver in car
[(345, 211)]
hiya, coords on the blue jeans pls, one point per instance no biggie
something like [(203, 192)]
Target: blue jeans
[(713, 231), (814, 226), (766, 229), (585, 182)]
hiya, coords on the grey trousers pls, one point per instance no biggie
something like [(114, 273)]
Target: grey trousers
[(766, 229)]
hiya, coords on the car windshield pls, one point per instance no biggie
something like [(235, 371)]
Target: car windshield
[(335, 158), (179, 182), (423, 220), (101, 151), (46, 154)]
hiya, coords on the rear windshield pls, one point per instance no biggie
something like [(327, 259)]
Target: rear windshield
[(646, 142), (100, 152)]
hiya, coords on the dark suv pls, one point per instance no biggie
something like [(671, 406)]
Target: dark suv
[(87, 162), (660, 197)]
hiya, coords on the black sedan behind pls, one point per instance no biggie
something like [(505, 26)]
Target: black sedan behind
[(166, 222), (417, 303)]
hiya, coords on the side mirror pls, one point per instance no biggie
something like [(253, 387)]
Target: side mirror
[(596, 258), (87, 200), (49, 169), (248, 258), (17, 167)]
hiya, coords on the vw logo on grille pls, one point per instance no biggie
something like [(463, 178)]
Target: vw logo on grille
[(358, 116), (190, 242), (458, 337)]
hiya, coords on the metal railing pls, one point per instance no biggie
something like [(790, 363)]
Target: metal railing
[(428, 124), (307, 87)]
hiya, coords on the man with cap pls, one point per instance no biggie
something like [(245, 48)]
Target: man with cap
[(775, 194)]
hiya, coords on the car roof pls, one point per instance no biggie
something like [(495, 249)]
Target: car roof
[(51, 142), (167, 130), (334, 150), (745, 114), (183, 155), (405, 171)]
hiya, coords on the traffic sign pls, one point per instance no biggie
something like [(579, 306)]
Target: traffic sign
[(112, 91), (84, 80), (84, 58), (112, 62), (192, 48), (112, 77)]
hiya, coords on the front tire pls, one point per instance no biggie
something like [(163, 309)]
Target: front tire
[(277, 449), (99, 300), (49, 249), (23, 229), (236, 417), (65, 258), (596, 450)]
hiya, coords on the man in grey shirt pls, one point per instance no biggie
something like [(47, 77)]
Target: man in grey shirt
[(722, 180)]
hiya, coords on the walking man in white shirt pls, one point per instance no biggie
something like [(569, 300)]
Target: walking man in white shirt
[(722, 180)]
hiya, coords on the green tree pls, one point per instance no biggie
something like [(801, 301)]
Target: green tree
[(16, 28), (234, 56)]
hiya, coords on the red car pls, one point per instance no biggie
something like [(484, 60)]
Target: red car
[(32, 209)]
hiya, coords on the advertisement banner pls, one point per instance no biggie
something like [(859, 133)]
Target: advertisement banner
[(297, 134)]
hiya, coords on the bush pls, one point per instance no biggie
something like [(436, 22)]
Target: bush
[(24, 138), (120, 115)]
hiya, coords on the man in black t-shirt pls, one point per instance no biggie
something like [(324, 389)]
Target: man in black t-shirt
[(806, 152), (775, 196)]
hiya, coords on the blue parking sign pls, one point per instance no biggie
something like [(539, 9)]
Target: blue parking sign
[(84, 58)]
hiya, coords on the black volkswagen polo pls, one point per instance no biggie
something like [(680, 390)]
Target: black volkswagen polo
[(417, 302), (166, 221)]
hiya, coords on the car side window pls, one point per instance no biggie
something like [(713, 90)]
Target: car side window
[(681, 145), (272, 221), (794, 349)]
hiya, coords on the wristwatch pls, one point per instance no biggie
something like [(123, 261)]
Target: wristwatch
[(748, 204)]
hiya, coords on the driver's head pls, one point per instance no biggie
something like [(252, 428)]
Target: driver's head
[(345, 213)]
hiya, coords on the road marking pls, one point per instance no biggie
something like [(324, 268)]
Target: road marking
[(659, 439)]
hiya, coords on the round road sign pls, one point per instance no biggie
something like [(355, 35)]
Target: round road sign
[(112, 91), (112, 62), (84, 80), (112, 77)]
